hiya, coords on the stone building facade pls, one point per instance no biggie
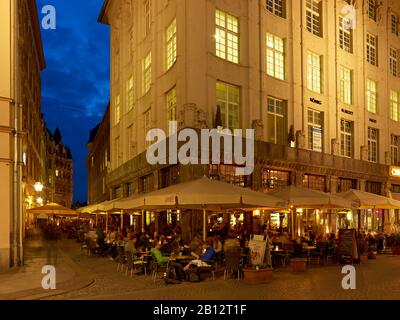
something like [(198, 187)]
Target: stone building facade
[(98, 160), (318, 80), (21, 123)]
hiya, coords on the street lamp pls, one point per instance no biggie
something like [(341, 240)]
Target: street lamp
[(38, 187), (39, 200)]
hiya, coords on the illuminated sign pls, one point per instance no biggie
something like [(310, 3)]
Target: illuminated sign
[(395, 171)]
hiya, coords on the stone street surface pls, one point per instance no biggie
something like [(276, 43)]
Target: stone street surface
[(82, 277)]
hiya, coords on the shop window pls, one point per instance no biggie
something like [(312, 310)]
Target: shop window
[(395, 188), (169, 176), (146, 183), (274, 179), (227, 173), (314, 182), (346, 184), (373, 187)]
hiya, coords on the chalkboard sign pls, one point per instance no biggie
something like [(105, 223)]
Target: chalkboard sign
[(348, 248)]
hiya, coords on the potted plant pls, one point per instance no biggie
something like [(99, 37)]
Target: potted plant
[(256, 274)]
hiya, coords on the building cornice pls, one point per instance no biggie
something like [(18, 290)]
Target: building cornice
[(102, 18), (36, 31)]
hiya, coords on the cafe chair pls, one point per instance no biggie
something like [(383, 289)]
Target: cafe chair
[(140, 262), (319, 253), (233, 262), (156, 268), (210, 269), (121, 259)]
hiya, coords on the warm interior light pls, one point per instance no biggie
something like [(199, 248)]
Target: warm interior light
[(39, 200), (38, 187)]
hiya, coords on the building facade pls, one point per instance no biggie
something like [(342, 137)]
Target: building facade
[(98, 160), (21, 62), (317, 80), (61, 171)]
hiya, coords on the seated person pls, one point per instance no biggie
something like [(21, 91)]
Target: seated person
[(208, 256), (161, 260)]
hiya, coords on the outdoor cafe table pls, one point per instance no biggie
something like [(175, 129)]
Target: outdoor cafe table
[(181, 258), (309, 248)]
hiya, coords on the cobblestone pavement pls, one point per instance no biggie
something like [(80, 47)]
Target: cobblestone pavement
[(376, 279)]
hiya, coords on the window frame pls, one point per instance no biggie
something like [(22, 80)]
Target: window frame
[(225, 114), (275, 115), (346, 138), (146, 72), (372, 96), (314, 17), (275, 56), (171, 44), (314, 72), (226, 38), (373, 145)]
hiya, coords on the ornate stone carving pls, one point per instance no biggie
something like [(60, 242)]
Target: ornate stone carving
[(193, 117), (364, 153), (335, 147)]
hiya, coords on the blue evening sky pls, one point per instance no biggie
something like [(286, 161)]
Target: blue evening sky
[(75, 83)]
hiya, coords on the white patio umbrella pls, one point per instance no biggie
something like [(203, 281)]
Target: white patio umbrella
[(367, 200), (202, 194), (54, 209), (300, 197)]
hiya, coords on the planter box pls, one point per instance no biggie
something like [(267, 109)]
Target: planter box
[(396, 250), (253, 276), (298, 265), (363, 257)]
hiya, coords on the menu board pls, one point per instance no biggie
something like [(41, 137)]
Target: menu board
[(348, 248), (259, 250)]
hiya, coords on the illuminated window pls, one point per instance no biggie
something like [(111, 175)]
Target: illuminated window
[(117, 110), (346, 138), (275, 56), (171, 44), (372, 49), (129, 93), (372, 96), (345, 36), (372, 145), (313, 72), (171, 105), (228, 99), (277, 7), (314, 182), (394, 149), (372, 9), (393, 62), (394, 105), (313, 17), (57, 173), (147, 73), (227, 36), (276, 121), (274, 179), (345, 184), (147, 17), (345, 85), (315, 130), (227, 173)]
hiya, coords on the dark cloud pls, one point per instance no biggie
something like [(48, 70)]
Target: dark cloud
[(75, 83)]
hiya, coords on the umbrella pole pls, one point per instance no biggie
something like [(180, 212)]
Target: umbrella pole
[(122, 219), (143, 221), (97, 219), (204, 224), (107, 222)]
